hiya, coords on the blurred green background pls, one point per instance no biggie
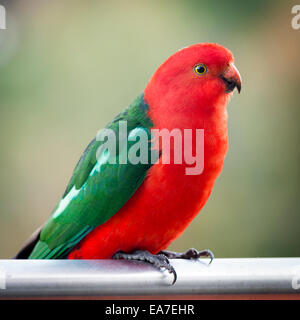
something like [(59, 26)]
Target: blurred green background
[(67, 67)]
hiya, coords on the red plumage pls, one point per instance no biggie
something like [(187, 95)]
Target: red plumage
[(168, 199)]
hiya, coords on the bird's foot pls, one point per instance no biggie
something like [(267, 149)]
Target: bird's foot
[(160, 261), (189, 254)]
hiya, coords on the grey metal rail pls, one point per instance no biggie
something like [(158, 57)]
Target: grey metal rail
[(109, 278)]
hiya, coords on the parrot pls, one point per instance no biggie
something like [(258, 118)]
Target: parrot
[(133, 211)]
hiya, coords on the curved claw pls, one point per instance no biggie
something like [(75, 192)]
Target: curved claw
[(167, 266), (211, 256), (189, 254), (160, 260), (175, 276), (206, 253), (171, 270)]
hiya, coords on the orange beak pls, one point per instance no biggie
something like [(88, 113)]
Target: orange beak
[(232, 78)]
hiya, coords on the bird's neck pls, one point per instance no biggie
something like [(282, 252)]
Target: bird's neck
[(184, 111)]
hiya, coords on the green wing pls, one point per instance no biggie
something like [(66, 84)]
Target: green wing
[(99, 187)]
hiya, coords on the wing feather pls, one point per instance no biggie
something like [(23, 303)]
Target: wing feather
[(96, 191)]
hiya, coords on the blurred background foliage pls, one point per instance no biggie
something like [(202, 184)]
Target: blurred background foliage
[(67, 67)]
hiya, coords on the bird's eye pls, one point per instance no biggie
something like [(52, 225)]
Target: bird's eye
[(200, 69)]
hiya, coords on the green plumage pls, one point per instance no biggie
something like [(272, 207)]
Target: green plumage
[(97, 189)]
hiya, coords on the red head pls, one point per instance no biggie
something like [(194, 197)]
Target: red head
[(195, 81)]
